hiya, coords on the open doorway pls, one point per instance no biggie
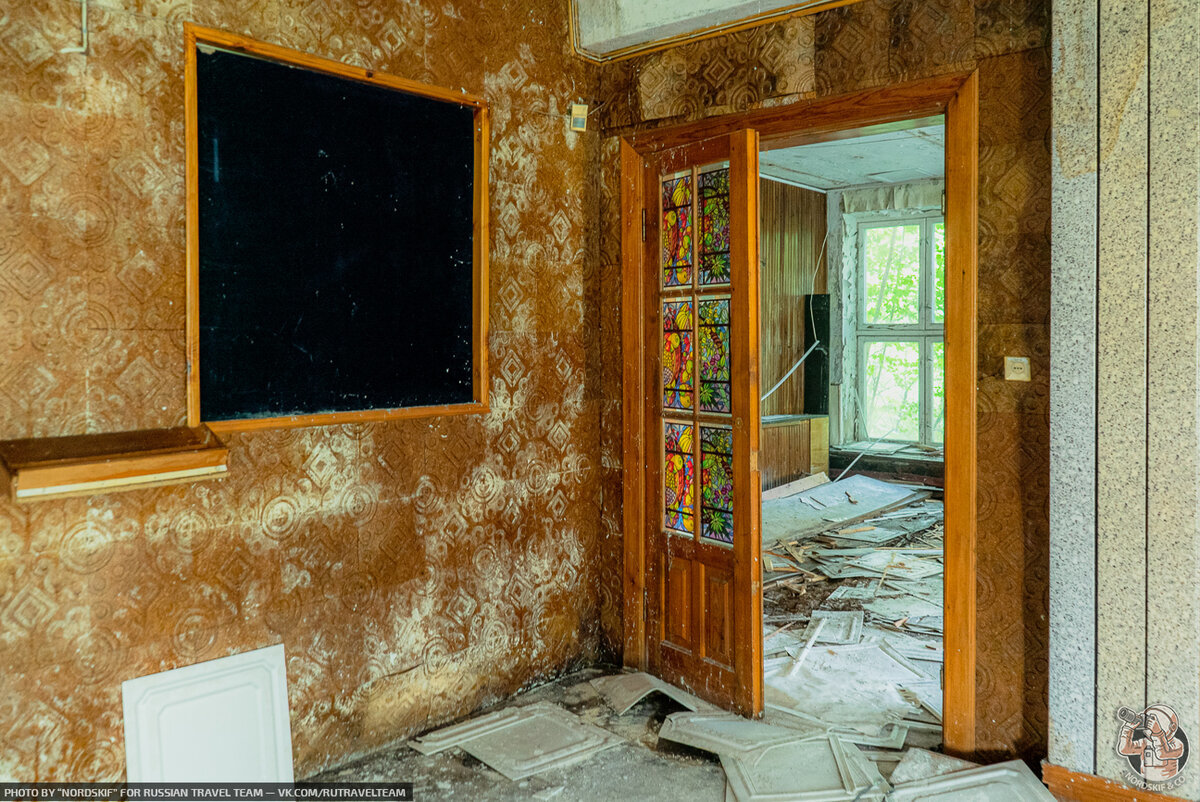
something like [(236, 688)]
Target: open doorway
[(852, 280), (670, 594)]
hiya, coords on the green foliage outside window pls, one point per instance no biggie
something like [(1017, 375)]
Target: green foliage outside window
[(893, 285)]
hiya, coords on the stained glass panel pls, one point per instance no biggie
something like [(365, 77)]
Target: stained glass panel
[(716, 483), (714, 227), (679, 478), (714, 355), (678, 355), (677, 231)]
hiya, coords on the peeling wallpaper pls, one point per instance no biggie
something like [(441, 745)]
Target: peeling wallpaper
[(879, 42), (413, 570), (417, 570)]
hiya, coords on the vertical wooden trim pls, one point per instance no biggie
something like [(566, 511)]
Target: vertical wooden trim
[(792, 266), (633, 440), (962, 224), (192, 200), (1079, 787), (655, 544), (747, 481), (482, 247)]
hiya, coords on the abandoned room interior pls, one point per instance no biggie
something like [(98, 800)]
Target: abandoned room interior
[(583, 399)]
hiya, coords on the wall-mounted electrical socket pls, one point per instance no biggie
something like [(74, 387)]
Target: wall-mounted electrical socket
[(579, 114), (1016, 368)]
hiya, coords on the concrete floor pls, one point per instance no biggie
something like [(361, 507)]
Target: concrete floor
[(641, 768)]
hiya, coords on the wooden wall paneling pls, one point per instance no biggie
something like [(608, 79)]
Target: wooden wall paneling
[(818, 445), (784, 452), (793, 449), (791, 232)]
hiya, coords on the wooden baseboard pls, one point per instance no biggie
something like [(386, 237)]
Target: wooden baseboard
[(1077, 787)]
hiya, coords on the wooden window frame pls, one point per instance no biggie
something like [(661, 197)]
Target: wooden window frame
[(925, 332), (196, 35), (899, 107)]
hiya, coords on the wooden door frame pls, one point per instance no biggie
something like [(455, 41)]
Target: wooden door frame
[(954, 96)]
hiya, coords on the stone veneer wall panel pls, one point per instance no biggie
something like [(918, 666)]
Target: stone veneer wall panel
[(1173, 347), (1072, 733), (1121, 397), (413, 570), (1128, 167)]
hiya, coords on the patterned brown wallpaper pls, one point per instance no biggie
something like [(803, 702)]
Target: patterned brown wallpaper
[(878, 42), (413, 570)]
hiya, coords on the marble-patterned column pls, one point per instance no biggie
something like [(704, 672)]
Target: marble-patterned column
[(1072, 736), (1121, 457), (1173, 535), (1125, 363)]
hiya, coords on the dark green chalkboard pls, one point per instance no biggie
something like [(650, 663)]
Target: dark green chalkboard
[(335, 225)]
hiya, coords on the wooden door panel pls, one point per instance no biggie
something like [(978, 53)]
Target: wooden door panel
[(677, 601), (699, 307), (718, 614)]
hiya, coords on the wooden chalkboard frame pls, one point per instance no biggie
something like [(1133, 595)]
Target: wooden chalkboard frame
[(195, 35)]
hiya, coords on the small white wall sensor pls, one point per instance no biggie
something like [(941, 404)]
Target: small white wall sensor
[(579, 114)]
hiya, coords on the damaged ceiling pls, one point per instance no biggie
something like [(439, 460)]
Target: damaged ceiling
[(890, 158), (606, 29)]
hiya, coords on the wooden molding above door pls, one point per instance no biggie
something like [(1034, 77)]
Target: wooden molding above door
[(956, 96)]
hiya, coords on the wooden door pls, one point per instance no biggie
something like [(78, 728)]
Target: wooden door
[(701, 568)]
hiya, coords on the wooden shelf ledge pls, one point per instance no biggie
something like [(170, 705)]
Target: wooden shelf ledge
[(41, 468)]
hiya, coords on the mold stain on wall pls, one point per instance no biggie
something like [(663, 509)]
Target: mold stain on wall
[(413, 570)]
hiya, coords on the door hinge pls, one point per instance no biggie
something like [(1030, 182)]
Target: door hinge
[(643, 225)]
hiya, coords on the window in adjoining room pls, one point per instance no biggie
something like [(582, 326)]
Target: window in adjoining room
[(900, 333)]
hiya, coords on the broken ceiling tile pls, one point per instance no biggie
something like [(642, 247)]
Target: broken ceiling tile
[(874, 534), (798, 486), (456, 734), (848, 592), (897, 564), (1004, 782), (843, 685), (897, 607), (623, 691), (729, 733), (543, 736), (772, 773), (839, 627), (927, 694), (828, 506), (921, 764)]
